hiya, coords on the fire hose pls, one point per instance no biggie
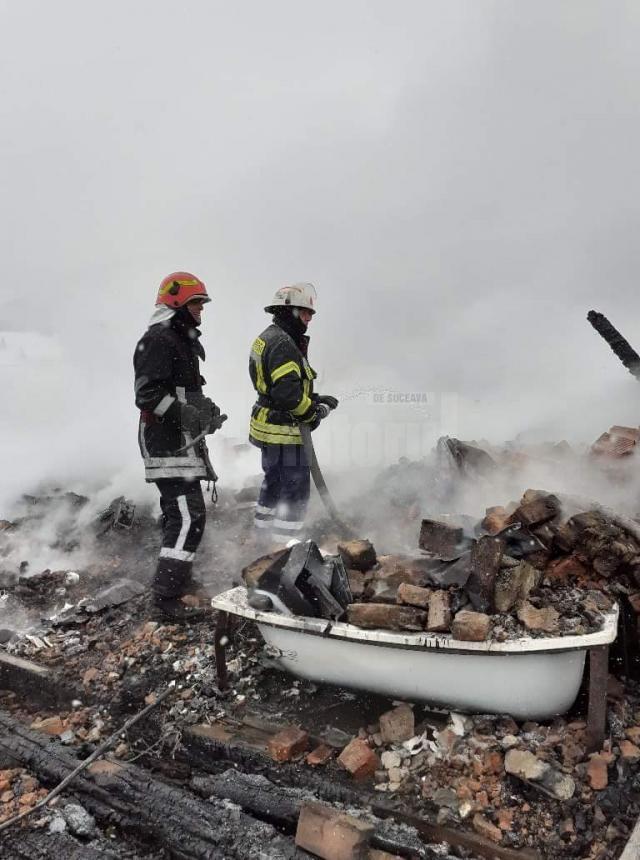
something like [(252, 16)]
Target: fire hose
[(321, 484), (204, 453)]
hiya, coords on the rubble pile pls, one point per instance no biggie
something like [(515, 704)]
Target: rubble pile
[(523, 570)]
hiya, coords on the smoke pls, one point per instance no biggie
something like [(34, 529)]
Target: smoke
[(458, 179)]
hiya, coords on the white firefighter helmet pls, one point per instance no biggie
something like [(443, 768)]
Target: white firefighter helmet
[(295, 296)]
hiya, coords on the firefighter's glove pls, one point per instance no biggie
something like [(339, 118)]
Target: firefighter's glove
[(190, 419), (322, 410), (217, 421), (210, 417), (328, 400)]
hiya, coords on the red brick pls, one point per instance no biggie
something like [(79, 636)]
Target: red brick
[(629, 751), (288, 743), (386, 616), (359, 759), (413, 595), (50, 725), (545, 619), (505, 819), (597, 771), (470, 626), (485, 828), (493, 762), (496, 520), (331, 834), (441, 539), (439, 619), (564, 568), (358, 554), (320, 755), (537, 511)]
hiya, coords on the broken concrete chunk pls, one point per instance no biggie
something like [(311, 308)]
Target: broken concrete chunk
[(78, 820), (440, 614), (288, 743), (544, 620), (524, 764), (386, 616), (527, 766), (359, 759), (471, 626), (486, 557), (561, 785), (513, 585), (358, 554), (390, 759), (397, 725), (118, 592), (331, 834), (441, 539), (413, 595)]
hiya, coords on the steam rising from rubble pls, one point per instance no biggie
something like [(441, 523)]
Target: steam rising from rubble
[(459, 204)]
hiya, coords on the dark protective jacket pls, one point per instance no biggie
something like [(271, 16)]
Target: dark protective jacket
[(166, 364), (283, 380)]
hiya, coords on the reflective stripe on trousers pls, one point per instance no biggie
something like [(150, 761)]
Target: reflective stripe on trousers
[(284, 494)]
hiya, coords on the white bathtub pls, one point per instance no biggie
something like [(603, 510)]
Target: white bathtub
[(527, 678)]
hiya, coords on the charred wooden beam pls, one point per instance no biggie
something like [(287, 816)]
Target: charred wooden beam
[(34, 683), (39, 845), (129, 798)]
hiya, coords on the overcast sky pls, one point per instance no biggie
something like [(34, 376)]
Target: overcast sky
[(459, 179)]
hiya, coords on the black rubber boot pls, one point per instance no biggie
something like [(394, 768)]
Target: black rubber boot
[(177, 596), (179, 609)]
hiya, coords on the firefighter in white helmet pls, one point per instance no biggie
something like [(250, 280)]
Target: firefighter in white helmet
[(283, 380)]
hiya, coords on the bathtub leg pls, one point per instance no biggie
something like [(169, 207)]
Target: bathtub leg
[(597, 715), (220, 644)]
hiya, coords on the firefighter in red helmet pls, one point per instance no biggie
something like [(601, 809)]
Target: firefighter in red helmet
[(174, 413)]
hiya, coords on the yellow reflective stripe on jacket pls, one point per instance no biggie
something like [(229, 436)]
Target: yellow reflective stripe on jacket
[(303, 406), (257, 348), (274, 434), (260, 383), (284, 369)]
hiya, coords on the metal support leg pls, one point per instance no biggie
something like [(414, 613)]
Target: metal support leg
[(597, 714), (220, 644)]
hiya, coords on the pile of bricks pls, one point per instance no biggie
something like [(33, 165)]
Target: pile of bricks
[(525, 571)]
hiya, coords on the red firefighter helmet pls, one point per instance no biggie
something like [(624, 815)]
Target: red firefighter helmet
[(179, 288)]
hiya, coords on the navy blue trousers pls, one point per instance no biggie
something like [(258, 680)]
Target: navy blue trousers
[(284, 494)]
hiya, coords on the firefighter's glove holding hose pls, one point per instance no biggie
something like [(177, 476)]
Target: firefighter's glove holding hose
[(208, 414), (190, 419), (210, 417), (327, 400)]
